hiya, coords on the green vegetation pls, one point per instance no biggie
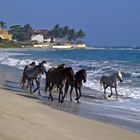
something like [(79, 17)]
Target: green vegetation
[(10, 44), (2, 25), (21, 33), (67, 33)]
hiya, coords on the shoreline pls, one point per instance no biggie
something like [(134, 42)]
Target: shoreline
[(28, 119), (124, 113), (99, 110)]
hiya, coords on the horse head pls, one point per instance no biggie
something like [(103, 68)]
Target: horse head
[(81, 75), (41, 68), (84, 75), (119, 76)]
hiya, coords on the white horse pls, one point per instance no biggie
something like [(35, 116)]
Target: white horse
[(111, 81)]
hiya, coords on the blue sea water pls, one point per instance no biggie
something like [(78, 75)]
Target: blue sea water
[(97, 62)]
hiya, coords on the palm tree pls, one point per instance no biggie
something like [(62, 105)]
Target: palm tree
[(65, 31), (55, 31), (80, 35), (2, 25), (71, 35), (28, 30)]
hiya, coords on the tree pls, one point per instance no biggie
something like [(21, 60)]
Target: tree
[(15, 30), (80, 35), (57, 31), (2, 25), (71, 35), (21, 33), (67, 33), (28, 30)]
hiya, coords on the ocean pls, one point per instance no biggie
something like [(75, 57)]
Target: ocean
[(124, 112)]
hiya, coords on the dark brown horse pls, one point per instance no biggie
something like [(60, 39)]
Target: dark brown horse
[(80, 77), (57, 77)]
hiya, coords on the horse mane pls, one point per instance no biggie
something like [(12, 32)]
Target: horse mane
[(80, 71), (66, 69)]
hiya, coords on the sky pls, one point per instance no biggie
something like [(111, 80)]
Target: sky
[(106, 22)]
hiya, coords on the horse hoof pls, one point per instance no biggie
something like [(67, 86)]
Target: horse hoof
[(109, 96), (61, 101), (78, 102)]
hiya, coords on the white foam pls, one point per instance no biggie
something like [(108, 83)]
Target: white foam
[(95, 70), (6, 59)]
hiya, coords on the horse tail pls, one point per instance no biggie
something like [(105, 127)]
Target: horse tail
[(21, 83), (47, 82), (46, 86)]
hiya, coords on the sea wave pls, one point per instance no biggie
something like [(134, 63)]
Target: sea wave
[(95, 69)]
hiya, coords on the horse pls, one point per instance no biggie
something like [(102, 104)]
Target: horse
[(56, 76), (111, 81), (34, 73), (24, 79), (80, 78)]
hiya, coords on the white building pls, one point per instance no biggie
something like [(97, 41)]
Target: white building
[(39, 38)]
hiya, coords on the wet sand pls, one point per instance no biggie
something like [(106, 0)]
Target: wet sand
[(100, 110), (26, 118)]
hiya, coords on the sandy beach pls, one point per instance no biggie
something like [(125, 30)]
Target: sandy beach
[(23, 118), (26, 118)]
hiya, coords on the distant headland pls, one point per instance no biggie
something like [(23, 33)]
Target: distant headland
[(59, 37)]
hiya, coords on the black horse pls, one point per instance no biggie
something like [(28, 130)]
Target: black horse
[(57, 77), (31, 74), (80, 77)]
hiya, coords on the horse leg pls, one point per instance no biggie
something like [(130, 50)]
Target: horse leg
[(71, 93), (50, 90), (105, 87), (23, 81), (76, 94), (21, 84), (79, 93), (46, 86), (104, 90), (111, 92), (116, 92), (66, 90), (30, 84), (61, 99), (38, 86)]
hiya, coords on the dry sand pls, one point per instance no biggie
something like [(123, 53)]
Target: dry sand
[(22, 118)]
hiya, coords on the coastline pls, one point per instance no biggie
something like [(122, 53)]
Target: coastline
[(98, 110), (25, 118), (19, 118)]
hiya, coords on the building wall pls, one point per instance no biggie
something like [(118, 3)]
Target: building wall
[(38, 38), (5, 35)]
